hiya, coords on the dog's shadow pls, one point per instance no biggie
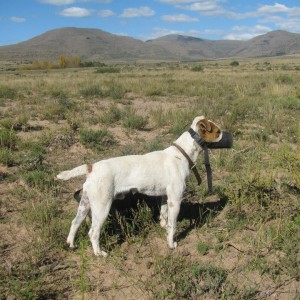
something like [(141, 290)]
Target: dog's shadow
[(194, 213)]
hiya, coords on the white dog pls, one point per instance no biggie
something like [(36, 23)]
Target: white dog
[(158, 173)]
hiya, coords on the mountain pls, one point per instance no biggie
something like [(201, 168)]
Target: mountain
[(98, 45), (88, 44), (274, 43), (191, 48)]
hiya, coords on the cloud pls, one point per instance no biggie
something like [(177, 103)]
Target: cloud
[(289, 24), (75, 12), (179, 18), (278, 8), (97, 1), (273, 9), (143, 11), (17, 20), (246, 33), (58, 2), (105, 13), (176, 1)]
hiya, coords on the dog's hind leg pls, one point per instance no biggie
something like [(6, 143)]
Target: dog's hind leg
[(163, 212), (83, 209), (100, 206)]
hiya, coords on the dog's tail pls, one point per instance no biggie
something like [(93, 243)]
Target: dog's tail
[(78, 171)]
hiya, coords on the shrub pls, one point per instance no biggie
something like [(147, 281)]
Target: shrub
[(7, 157), (97, 139), (91, 91), (197, 68), (7, 92), (115, 91), (108, 70), (284, 79), (211, 277), (19, 123), (234, 63), (112, 115), (8, 139), (133, 121), (40, 180)]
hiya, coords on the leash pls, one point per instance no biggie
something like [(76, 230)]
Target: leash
[(191, 163), (208, 168), (204, 145)]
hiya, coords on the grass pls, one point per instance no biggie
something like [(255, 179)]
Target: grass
[(246, 248), (97, 139)]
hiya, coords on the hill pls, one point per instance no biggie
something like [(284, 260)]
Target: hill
[(95, 45)]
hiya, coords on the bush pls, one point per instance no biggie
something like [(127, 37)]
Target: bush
[(197, 68), (108, 70), (7, 92), (112, 115), (133, 121), (7, 157), (92, 91), (40, 180), (284, 79), (234, 63), (97, 139), (8, 139), (19, 123)]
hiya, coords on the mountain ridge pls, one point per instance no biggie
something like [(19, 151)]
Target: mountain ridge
[(92, 44)]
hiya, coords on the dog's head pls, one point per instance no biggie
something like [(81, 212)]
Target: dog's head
[(207, 129)]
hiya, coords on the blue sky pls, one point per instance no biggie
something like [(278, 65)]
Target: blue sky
[(147, 19)]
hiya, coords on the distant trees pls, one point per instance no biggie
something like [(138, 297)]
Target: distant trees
[(63, 62)]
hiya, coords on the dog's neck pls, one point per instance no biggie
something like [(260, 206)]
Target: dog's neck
[(188, 144)]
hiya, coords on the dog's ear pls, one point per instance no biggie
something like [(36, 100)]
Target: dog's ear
[(208, 130), (204, 126)]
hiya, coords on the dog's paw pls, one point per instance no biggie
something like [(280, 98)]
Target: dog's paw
[(173, 245), (163, 223), (101, 253), (71, 244)]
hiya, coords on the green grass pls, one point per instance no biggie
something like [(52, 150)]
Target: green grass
[(131, 120), (97, 139), (244, 250)]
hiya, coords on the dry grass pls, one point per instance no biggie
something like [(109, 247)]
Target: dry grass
[(241, 243)]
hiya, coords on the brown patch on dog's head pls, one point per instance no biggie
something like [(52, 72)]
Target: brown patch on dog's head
[(208, 130)]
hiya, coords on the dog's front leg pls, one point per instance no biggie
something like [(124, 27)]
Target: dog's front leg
[(173, 210)]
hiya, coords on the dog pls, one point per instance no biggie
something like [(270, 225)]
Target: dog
[(159, 173)]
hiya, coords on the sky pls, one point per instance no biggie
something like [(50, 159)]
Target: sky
[(21, 20)]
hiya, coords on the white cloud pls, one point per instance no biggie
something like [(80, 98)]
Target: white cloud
[(289, 24), (105, 13), (273, 9), (176, 1), (97, 1), (75, 12), (278, 8), (246, 33), (143, 11), (58, 2), (202, 6), (17, 20), (179, 18)]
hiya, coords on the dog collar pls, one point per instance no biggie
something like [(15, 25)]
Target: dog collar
[(198, 139)]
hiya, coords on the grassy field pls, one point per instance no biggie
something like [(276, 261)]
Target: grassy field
[(242, 242)]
